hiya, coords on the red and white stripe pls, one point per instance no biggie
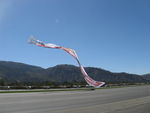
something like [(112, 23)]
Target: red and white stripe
[(88, 79)]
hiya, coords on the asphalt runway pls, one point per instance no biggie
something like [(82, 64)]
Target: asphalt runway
[(117, 100)]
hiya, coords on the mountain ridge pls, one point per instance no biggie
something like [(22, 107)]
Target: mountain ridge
[(16, 71), (147, 76)]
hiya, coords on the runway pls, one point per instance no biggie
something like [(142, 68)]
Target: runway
[(116, 100)]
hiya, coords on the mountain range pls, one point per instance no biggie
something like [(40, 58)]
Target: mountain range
[(14, 71), (147, 76)]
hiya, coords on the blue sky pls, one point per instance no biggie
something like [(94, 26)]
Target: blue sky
[(109, 34)]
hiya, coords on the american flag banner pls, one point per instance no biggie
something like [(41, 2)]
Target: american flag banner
[(72, 52)]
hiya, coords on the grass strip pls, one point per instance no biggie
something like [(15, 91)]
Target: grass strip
[(67, 89), (46, 90)]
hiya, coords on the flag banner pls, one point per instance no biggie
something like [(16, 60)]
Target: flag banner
[(72, 52)]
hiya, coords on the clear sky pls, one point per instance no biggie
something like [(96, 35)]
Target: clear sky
[(109, 34)]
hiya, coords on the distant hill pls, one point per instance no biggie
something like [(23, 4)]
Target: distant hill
[(147, 76), (13, 71)]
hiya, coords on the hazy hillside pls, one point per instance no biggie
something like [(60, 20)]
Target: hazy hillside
[(13, 71), (146, 76)]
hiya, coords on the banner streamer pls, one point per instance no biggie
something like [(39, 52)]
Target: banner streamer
[(88, 79)]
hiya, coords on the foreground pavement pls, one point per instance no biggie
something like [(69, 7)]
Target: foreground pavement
[(117, 100)]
